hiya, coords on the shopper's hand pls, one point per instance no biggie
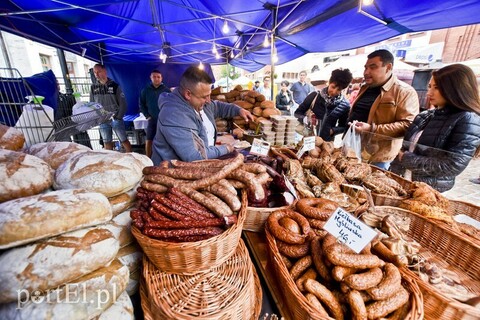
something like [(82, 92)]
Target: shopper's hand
[(245, 114), (362, 126)]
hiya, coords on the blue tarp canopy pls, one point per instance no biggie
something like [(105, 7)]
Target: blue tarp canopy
[(137, 31)]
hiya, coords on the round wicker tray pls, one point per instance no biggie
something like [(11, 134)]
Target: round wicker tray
[(193, 257), (229, 291)]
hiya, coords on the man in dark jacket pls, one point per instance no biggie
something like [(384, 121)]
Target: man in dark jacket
[(149, 106)]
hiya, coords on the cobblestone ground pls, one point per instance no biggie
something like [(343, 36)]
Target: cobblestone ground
[(464, 189)]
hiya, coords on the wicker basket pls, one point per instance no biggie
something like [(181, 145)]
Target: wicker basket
[(229, 291), (193, 257), (383, 199), (447, 248), (256, 217), (300, 308)]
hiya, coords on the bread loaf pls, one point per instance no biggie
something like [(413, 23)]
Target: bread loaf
[(48, 264), (123, 201), (11, 138), (84, 298), (131, 257), (22, 175), (134, 282), (56, 152), (107, 172), (120, 227), (45, 215), (122, 309)]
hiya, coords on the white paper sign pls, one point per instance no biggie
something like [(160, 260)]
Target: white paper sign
[(290, 187), (260, 147), (349, 230), (309, 143)]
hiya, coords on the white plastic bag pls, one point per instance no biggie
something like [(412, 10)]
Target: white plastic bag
[(85, 113), (352, 144)]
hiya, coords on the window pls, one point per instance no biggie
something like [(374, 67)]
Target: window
[(71, 70), (45, 61)]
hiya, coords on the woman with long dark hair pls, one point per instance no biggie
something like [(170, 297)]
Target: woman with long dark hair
[(440, 142)]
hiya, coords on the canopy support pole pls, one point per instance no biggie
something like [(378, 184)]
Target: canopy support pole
[(66, 75)]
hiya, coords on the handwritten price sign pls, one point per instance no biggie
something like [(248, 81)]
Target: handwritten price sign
[(260, 147), (349, 230)]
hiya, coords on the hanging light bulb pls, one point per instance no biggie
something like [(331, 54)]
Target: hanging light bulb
[(200, 65), (214, 48), (367, 2), (225, 28), (217, 56), (266, 43), (163, 56), (275, 58), (232, 55)]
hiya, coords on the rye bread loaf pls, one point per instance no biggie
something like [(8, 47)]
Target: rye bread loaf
[(22, 175), (107, 172), (53, 262), (11, 138), (122, 309), (49, 214), (120, 227), (56, 152), (85, 298)]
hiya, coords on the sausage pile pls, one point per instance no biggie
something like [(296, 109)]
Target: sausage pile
[(336, 281), (174, 217)]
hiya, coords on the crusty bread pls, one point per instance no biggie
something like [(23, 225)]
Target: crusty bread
[(131, 256), (56, 152), (11, 138), (45, 215), (84, 298), (120, 227), (22, 175), (134, 282), (107, 172), (122, 309), (53, 262), (123, 201)]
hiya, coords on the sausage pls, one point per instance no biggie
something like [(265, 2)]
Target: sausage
[(172, 233), (326, 297), (135, 214), (286, 235), (189, 203), (157, 216), (293, 250), (228, 186), (364, 280), (381, 308), (341, 255), (225, 194), (288, 264), (316, 304), (339, 272), (316, 223), (219, 202), (318, 262), (138, 222), (316, 208), (167, 211), (218, 207), (199, 164), (184, 173), (357, 306), (199, 213), (249, 180), (162, 180), (300, 266), (163, 199), (309, 274), (186, 224), (390, 283), (153, 186), (231, 165), (188, 238), (386, 254), (290, 224), (254, 167)]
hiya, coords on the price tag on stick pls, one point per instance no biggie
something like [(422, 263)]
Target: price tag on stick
[(308, 144), (260, 147), (349, 230)]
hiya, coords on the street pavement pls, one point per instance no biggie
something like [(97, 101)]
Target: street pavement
[(464, 189)]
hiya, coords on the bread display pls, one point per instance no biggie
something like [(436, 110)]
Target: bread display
[(122, 309), (22, 175), (45, 215), (56, 152), (11, 138), (36, 266), (107, 172), (84, 298), (120, 227)]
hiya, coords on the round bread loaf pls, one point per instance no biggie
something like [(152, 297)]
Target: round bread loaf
[(56, 152), (122, 309), (45, 215), (120, 227), (36, 266), (84, 298), (107, 172), (11, 138), (123, 201), (22, 175)]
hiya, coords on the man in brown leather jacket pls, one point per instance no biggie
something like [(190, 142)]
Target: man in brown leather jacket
[(383, 110)]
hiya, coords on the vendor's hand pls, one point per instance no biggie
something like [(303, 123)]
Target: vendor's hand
[(245, 114), (230, 147), (362, 126)]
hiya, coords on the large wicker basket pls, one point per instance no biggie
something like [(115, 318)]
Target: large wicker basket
[(256, 217), (299, 306), (193, 257), (383, 199), (445, 247), (229, 291)]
